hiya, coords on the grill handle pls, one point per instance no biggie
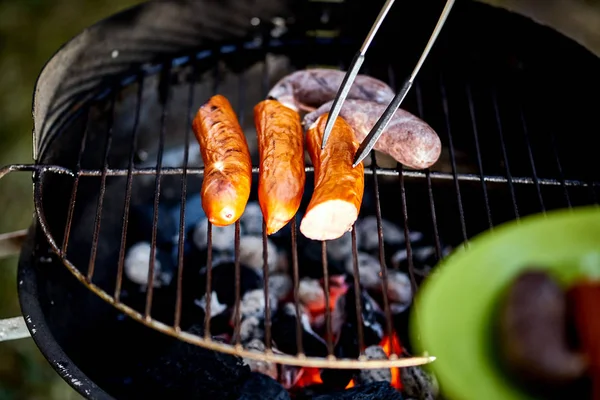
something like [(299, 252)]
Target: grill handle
[(10, 245)]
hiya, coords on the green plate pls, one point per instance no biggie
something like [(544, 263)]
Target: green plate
[(453, 311)]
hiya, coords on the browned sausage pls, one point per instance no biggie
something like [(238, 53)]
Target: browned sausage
[(227, 165), (308, 89), (408, 139), (339, 188), (281, 149)]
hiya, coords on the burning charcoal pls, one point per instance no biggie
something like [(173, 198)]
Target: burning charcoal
[(399, 290), (251, 252), (346, 346), (222, 237), (369, 270), (137, 265), (289, 375), (253, 304), (376, 390), (366, 230), (264, 367), (252, 328), (280, 285), (223, 281), (418, 384), (216, 308), (284, 333), (372, 316), (251, 220), (374, 375), (260, 387), (340, 249), (311, 295)]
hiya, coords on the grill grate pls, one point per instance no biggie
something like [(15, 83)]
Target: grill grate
[(407, 179)]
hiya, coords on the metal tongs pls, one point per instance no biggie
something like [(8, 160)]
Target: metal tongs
[(367, 144)]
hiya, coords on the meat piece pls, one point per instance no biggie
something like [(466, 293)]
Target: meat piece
[(281, 150), (308, 89), (227, 164), (533, 339), (336, 200), (408, 139)]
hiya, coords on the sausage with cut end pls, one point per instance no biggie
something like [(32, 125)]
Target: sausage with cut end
[(281, 148), (407, 138), (308, 89), (227, 164), (339, 188)]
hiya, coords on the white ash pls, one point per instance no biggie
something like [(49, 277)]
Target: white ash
[(253, 304), (341, 248), (369, 270), (418, 384), (367, 230), (252, 219), (264, 367), (280, 285), (222, 236), (216, 307), (367, 376), (251, 328), (289, 375), (137, 265), (399, 289), (251, 254), (311, 294)]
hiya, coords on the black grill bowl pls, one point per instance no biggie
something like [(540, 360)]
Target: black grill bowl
[(516, 131)]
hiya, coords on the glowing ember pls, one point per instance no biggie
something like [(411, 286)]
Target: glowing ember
[(392, 346), (310, 376)]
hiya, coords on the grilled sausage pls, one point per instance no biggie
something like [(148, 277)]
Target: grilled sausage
[(408, 139), (339, 188), (281, 149), (227, 165), (308, 89)]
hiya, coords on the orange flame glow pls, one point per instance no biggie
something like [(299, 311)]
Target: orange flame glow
[(393, 346)]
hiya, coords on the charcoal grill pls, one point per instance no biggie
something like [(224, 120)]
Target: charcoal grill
[(112, 116)]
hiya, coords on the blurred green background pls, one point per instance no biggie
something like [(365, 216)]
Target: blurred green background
[(30, 32)]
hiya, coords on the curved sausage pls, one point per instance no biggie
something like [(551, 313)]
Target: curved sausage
[(227, 164), (281, 178), (408, 139), (308, 89), (339, 188)]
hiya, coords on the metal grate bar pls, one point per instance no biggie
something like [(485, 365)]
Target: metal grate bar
[(531, 159), (98, 217), (157, 183), (181, 238), (561, 176), (266, 289), (128, 189), (238, 296), (65, 243), (511, 187), (486, 199), (409, 255), (329, 329), (436, 235), (382, 264), (208, 294), (358, 303), (296, 278), (453, 162)]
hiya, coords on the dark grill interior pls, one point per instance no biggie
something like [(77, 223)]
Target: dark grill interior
[(516, 135)]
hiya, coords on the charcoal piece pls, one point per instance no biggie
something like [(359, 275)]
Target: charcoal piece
[(366, 376), (289, 375), (189, 371), (251, 220), (340, 249), (137, 265), (260, 387), (311, 262), (418, 384), (141, 221), (223, 281), (399, 291), (367, 234), (223, 237), (252, 304), (311, 294), (194, 213), (252, 328), (346, 346), (264, 367), (280, 285), (284, 333), (369, 269), (373, 318), (424, 257), (251, 252), (373, 391), (216, 307)]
